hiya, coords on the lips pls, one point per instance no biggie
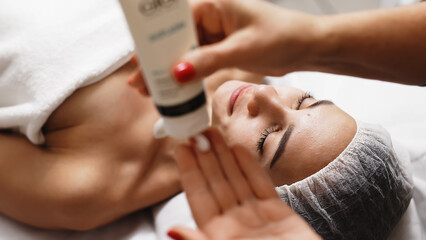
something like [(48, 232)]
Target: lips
[(234, 96)]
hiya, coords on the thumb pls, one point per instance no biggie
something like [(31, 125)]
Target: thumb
[(183, 233), (205, 60)]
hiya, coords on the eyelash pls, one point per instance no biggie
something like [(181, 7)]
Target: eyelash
[(264, 135), (302, 98), (270, 130)]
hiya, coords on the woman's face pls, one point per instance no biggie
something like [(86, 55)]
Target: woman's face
[(292, 134)]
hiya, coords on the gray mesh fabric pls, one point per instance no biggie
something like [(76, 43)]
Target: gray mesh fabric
[(361, 194)]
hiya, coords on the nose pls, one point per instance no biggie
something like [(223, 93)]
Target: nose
[(264, 99)]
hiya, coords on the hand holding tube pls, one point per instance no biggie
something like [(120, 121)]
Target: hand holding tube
[(251, 35), (259, 37)]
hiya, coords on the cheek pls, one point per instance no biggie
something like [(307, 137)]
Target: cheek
[(238, 134), (241, 132), (217, 115)]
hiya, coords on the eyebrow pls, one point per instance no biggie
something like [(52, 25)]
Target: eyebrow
[(281, 145), (320, 102), (286, 135)]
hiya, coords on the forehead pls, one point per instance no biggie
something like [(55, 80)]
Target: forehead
[(318, 139)]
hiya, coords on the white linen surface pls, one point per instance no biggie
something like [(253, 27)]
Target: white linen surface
[(400, 109)]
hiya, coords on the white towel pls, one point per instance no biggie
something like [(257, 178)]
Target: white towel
[(50, 48)]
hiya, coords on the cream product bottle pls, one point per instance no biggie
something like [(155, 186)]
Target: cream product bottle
[(163, 30)]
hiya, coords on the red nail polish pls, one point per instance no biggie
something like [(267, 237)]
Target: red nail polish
[(184, 72), (174, 235)]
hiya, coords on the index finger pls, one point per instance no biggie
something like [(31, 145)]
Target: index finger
[(201, 200)]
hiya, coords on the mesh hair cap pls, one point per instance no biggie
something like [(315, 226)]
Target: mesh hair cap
[(361, 194)]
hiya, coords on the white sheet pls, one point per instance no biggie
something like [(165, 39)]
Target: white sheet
[(400, 109)]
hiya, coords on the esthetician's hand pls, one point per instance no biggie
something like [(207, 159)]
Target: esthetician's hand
[(262, 38), (252, 35), (211, 83), (231, 197)]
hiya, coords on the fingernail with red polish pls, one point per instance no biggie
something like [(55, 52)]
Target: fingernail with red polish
[(184, 72), (174, 235)]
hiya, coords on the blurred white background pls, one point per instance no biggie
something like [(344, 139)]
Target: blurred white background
[(321, 7)]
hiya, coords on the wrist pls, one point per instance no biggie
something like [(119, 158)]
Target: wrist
[(324, 45)]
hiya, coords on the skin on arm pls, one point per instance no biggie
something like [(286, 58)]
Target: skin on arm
[(99, 162), (30, 184), (58, 188), (52, 188), (228, 190), (384, 44)]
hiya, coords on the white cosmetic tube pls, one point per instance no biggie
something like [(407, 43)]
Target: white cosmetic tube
[(163, 30)]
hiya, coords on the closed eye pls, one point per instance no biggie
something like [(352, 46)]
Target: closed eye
[(302, 98), (263, 137)]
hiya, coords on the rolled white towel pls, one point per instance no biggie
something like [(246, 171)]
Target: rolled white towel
[(50, 48)]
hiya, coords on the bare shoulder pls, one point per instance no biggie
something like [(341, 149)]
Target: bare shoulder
[(108, 99), (100, 161)]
